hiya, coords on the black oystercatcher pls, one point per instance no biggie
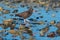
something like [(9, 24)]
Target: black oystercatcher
[(25, 14)]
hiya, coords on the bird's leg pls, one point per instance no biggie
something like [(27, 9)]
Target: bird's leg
[(26, 21)]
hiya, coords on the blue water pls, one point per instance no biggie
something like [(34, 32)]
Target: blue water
[(46, 16)]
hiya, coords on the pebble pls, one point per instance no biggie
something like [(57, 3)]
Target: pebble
[(41, 22), (22, 5), (53, 15), (1, 9), (12, 31), (37, 17), (58, 32), (12, 26), (53, 22), (7, 21), (5, 11), (51, 35), (12, 6), (30, 32), (15, 18), (41, 16), (58, 25), (22, 27), (15, 11), (43, 31), (45, 20), (35, 6)]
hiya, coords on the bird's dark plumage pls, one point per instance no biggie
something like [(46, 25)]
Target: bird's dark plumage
[(25, 14)]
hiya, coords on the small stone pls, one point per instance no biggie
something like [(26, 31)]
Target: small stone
[(22, 5), (41, 16), (41, 22), (43, 31), (53, 15), (22, 27), (52, 22), (35, 6), (12, 6), (58, 32), (15, 18), (58, 25), (7, 33), (5, 11), (51, 35), (12, 31), (6, 22), (1, 9), (30, 32), (37, 17), (15, 11), (45, 20), (12, 26)]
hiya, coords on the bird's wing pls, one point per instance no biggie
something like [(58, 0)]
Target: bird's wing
[(24, 13)]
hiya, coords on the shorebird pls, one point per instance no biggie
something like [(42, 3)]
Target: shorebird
[(25, 14)]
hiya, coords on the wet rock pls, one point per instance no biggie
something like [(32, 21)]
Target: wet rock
[(1, 9), (14, 32), (45, 20), (15, 11), (53, 15), (51, 35), (15, 18), (12, 26), (37, 17), (35, 6), (43, 31), (5, 11), (22, 5), (30, 32), (41, 16), (58, 32), (53, 22), (58, 25), (22, 27), (8, 23)]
